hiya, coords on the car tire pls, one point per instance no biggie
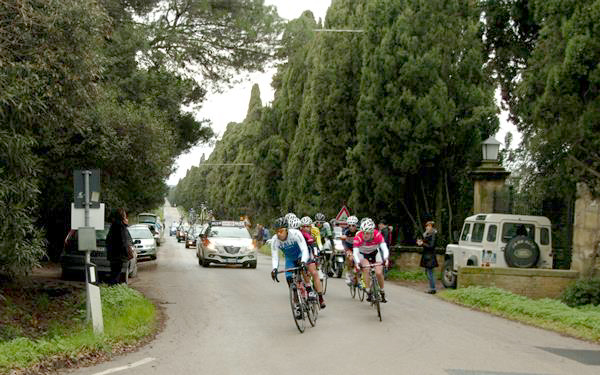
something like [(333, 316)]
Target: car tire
[(186, 245), (205, 263), (521, 252), (252, 264), (448, 276)]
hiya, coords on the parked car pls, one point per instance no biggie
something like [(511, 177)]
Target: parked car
[(499, 240), (157, 227), (72, 261), (192, 235), (144, 241), (181, 231), (226, 242)]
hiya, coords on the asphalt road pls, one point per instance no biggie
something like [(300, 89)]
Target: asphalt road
[(237, 321)]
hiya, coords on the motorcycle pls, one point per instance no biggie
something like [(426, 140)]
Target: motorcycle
[(335, 258)]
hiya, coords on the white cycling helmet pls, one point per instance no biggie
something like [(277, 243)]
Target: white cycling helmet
[(294, 223), (367, 226), (352, 220), (290, 215), (306, 221)]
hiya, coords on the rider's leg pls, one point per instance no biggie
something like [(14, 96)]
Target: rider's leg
[(379, 274), (365, 272), (312, 269)]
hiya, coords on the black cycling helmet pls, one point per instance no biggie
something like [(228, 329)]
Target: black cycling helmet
[(281, 223), (319, 217)]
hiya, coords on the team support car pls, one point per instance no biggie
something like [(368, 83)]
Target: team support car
[(143, 241), (226, 242), (72, 260)]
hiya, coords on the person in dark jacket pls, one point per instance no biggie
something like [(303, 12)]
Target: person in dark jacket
[(428, 259), (117, 243)]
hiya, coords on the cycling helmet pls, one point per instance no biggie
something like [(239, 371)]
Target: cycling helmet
[(352, 220), (306, 221), (281, 223), (367, 226), (294, 223), (289, 215), (319, 217)]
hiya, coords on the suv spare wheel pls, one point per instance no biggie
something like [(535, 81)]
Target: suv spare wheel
[(521, 252)]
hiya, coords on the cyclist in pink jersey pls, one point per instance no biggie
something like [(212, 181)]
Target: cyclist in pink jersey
[(369, 247)]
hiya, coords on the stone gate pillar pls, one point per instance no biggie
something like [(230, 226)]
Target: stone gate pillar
[(489, 178), (586, 233)]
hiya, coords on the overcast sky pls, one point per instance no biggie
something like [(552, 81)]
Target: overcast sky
[(231, 105)]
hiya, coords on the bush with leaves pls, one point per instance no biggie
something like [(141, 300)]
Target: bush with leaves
[(582, 292)]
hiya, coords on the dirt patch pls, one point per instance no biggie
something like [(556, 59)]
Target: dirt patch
[(30, 308)]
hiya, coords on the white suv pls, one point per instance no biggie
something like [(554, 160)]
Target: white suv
[(500, 240)]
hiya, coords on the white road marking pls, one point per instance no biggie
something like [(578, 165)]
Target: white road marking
[(131, 365)]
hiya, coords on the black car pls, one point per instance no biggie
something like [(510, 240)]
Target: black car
[(72, 260)]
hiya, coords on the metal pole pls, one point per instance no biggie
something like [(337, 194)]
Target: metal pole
[(86, 179)]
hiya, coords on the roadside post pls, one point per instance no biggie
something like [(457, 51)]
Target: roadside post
[(87, 199)]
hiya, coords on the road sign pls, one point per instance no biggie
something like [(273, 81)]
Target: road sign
[(343, 214), (79, 188), (96, 217)]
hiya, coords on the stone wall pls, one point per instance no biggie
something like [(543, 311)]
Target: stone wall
[(586, 233), (530, 282), (407, 258)]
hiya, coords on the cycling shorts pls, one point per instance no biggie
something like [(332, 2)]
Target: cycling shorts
[(374, 257)]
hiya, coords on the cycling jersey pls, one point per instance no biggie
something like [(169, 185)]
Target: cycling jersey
[(326, 230), (349, 241), (362, 246), (293, 248), (316, 234), (310, 242)]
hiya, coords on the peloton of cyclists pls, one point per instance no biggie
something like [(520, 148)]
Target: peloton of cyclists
[(370, 247)]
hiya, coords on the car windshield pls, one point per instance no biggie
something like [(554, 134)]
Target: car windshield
[(147, 218), (140, 233), (229, 232)]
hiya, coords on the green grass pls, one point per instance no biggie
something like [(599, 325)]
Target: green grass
[(582, 322), (127, 315)]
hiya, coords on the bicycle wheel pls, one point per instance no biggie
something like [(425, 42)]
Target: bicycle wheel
[(361, 290), (376, 295), (324, 281), (312, 311), (299, 320)]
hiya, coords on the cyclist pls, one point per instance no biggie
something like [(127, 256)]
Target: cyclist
[(294, 223), (348, 242), (366, 249), (326, 233), (292, 244), (313, 249)]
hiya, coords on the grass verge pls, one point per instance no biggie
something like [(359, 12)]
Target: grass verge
[(582, 322), (128, 317)]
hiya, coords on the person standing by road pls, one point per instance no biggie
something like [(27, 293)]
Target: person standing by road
[(428, 258), (117, 244)]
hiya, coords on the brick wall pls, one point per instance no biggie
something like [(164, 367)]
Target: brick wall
[(530, 282)]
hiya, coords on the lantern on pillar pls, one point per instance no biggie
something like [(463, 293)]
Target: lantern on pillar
[(490, 148)]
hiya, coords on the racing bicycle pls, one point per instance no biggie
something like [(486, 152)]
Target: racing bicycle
[(302, 306), (375, 289)]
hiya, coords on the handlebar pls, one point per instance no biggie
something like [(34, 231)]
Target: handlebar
[(371, 265)]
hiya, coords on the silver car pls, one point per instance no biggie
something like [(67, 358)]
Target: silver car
[(143, 241), (226, 242)]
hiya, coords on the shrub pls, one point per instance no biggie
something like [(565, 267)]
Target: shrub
[(582, 292)]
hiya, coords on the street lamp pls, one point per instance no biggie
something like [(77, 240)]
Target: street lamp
[(490, 148)]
